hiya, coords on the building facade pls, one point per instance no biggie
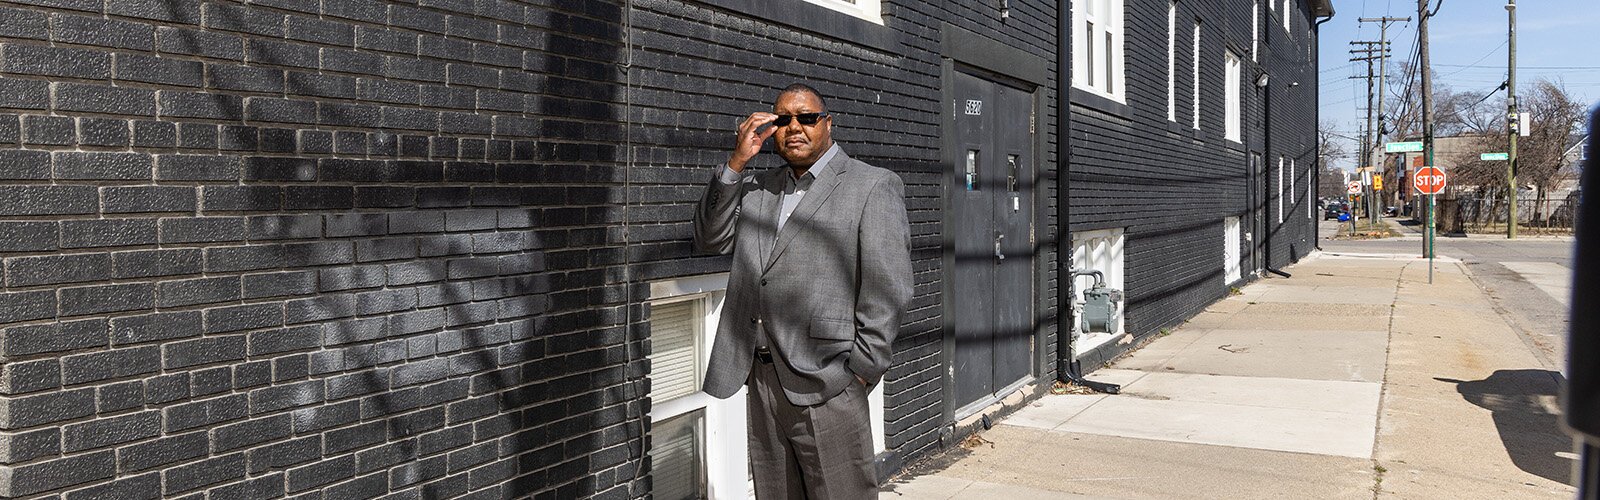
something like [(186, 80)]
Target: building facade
[(285, 248)]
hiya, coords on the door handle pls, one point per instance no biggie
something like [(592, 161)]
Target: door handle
[(998, 255)]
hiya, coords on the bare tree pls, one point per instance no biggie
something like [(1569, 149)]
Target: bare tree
[(1555, 118), (1329, 148)]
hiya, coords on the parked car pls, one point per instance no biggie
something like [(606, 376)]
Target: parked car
[(1333, 211)]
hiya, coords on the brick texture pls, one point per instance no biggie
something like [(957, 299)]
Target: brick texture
[(360, 248)]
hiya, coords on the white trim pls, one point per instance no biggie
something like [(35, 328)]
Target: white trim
[(1255, 29), (868, 10), (727, 451), (1280, 190), (1232, 116), (1194, 73), (1231, 258), (1172, 58)]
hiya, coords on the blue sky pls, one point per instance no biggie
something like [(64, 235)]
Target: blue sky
[(1468, 47)]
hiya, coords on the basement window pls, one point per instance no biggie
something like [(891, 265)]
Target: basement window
[(868, 10)]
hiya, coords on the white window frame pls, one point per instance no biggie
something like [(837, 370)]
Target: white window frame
[(1285, 15), (867, 10), (1194, 74), (1097, 65), (1172, 58), (1255, 29), (726, 423), (1232, 89), (1280, 190), (1232, 266)]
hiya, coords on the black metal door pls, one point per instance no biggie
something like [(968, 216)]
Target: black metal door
[(1258, 214), (992, 202)]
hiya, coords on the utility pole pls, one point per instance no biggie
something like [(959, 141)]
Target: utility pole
[(1383, 71), (1368, 142), (1512, 118), (1427, 121)]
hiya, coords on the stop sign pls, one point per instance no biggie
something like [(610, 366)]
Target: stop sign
[(1354, 187), (1428, 180)]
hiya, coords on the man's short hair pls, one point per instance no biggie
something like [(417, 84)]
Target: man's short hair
[(801, 87)]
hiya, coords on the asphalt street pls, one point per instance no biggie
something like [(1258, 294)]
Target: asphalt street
[(1528, 279)]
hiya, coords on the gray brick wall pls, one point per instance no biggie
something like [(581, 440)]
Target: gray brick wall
[(313, 249)]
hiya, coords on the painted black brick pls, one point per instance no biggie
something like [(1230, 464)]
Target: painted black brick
[(84, 30), (167, 450), (285, 454), (47, 200), (119, 396), (195, 42), (107, 233), (24, 165), (53, 61), (48, 130), (111, 431), (141, 487), (250, 432), (106, 298), (325, 472), (198, 291), (147, 263), (19, 377), (111, 364), (104, 99), (102, 132), (28, 236), (201, 413), (24, 94), (24, 446), (44, 476), (203, 473), (203, 351), (27, 411), (101, 166)]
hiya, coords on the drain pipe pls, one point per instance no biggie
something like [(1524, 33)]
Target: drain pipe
[(1316, 180), (1067, 369)]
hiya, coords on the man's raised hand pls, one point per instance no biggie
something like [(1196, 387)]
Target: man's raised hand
[(749, 142)]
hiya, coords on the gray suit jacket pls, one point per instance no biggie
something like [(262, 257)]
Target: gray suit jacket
[(829, 289)]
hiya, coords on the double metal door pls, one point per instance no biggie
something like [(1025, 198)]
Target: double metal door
[(992, 238)]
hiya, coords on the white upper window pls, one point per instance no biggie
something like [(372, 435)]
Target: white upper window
[(1231, 91), (1172, 56), (870, 10), (1194, 74), (1285, 14), (1280, 190), (1255, 28), (1097, 60)]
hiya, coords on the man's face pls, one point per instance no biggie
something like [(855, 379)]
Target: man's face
[(801, 145)]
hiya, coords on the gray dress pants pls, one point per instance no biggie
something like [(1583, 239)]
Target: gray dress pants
[(821, 452)]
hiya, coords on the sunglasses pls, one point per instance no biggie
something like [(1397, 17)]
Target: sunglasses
[(804, 118)]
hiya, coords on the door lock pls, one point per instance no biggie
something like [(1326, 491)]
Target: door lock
[(998, 255)]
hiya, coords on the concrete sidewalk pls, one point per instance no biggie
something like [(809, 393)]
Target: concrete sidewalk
[(1355, 378)]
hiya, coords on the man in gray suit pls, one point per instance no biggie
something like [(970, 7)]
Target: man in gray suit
[(821, 277)]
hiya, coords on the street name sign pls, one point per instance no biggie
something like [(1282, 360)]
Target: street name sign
[(1494, 156), (1402, 147), (1429, 180)]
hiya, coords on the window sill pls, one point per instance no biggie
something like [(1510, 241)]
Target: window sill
[(815, 18), (1096, 102)]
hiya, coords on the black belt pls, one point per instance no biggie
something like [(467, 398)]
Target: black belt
[(764, 355)]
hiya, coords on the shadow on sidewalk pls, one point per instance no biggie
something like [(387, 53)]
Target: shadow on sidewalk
[(1523, 405)]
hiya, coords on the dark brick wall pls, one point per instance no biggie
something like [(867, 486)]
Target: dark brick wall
[(301, 248), (290, 247), (1169, 186), (702, 67)]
